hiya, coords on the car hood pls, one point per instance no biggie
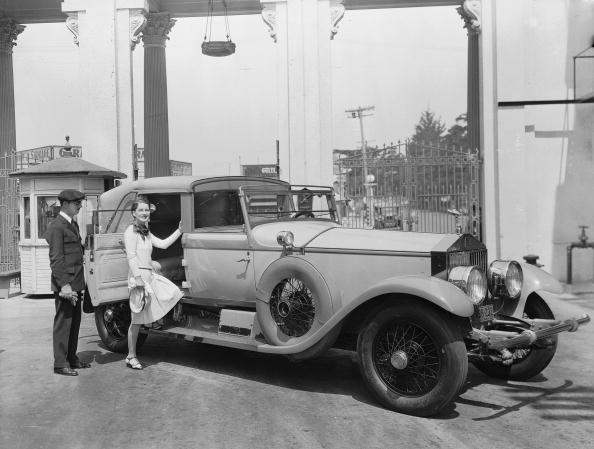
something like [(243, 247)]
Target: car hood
[(328, 235)]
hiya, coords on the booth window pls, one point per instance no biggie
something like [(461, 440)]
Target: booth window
[(27, 215), (48, 208)]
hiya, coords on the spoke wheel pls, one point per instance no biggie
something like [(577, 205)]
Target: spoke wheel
[(113, 321), (412, 357), (292, 307), (406, 358)]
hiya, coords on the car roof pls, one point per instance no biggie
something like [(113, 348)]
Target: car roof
[(177, 184)]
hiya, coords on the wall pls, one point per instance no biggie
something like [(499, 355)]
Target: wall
[(545, 151)]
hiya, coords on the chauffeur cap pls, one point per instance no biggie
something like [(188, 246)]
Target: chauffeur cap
[(70, 195)]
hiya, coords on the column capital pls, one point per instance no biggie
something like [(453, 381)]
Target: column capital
[(157, 28), (9, 31), (470, 11)]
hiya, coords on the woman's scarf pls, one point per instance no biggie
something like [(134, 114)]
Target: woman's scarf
[(143, 230)]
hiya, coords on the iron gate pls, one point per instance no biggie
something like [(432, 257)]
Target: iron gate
[(410, 187), (9, 215)]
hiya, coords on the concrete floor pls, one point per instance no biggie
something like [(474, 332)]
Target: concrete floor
[(200, 396)]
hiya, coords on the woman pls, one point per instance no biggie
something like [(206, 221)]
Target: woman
[(160, 294)]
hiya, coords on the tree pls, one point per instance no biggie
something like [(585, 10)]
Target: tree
[(428, 132), (457, 136)]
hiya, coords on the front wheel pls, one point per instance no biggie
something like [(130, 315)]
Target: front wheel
[(537, 359), (412, 357), (113, 321)]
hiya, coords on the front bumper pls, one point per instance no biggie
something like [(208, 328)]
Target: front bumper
[(539, 329)]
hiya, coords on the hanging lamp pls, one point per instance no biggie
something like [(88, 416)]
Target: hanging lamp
[(217, 48)]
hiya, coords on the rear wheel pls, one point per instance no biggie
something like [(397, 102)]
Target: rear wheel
[(412, 358), (113, 321), (538, 357)]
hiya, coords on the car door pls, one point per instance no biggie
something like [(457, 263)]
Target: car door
[(218, 258), (106, 264)]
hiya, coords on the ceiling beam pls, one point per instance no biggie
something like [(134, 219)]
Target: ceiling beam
[(48, 11)]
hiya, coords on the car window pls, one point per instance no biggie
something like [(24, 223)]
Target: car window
[(111, 222), (217, 208)]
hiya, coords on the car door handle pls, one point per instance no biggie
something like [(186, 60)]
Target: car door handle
[(246, 259)]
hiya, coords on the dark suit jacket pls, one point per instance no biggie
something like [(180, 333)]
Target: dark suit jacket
[(65, 254)]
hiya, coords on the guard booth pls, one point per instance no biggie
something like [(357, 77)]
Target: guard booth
[(39, 205)]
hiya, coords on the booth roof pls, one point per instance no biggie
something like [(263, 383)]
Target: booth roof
[(68, 165)]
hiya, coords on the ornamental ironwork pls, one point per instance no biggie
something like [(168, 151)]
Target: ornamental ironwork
[(409, 187)]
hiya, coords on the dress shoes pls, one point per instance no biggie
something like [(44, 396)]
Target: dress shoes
[(80, 365), (65, 371)]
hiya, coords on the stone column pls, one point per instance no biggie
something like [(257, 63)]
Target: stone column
[(303, 30), (106, 32), (9, 30), (156, 122)]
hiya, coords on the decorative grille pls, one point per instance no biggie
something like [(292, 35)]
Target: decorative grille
[(9, 215), (413, 187)]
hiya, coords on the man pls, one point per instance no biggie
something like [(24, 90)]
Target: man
[(68, 282)]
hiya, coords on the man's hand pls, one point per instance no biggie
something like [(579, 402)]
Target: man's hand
[(67, 293)]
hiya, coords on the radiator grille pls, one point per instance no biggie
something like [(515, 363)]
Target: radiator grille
[(476, 257)]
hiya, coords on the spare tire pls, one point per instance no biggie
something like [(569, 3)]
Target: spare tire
[(294, 301)]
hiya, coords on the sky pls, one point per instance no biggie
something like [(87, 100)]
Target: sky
[(222, 111)]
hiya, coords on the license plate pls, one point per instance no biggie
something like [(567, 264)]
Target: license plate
[(486, 313)]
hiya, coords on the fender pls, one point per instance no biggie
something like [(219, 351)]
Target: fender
[(435, 290), (562, 310), (536, 280)]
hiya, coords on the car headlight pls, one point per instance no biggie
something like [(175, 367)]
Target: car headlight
[(471, 281), (285, 238), (505, 278)]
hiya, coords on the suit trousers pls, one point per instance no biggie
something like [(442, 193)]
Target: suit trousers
[(65, 334)]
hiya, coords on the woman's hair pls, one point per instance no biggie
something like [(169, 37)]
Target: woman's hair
[(136, 203)]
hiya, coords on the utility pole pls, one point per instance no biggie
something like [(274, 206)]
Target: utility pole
[(367, 182)]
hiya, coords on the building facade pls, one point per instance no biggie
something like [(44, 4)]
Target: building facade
[(528, 112)]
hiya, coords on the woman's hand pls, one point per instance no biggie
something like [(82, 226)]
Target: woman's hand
[(181, 227), (139, 281)]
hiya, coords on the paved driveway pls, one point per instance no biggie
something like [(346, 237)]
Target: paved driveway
[(199, 396)]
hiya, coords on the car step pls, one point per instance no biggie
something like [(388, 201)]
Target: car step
[(235, 328)]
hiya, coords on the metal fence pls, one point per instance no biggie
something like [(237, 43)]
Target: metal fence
[(409, 187), (9, 215)]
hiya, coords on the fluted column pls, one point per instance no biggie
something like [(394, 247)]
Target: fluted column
[(9, 258), (469, 10), (9, 30), (156, 121)]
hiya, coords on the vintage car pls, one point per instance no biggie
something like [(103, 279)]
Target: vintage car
[(265, 266)]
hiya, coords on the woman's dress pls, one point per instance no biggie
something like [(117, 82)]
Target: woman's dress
[(165, 294)]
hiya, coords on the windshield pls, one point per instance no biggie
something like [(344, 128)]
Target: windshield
[(298, 203)]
